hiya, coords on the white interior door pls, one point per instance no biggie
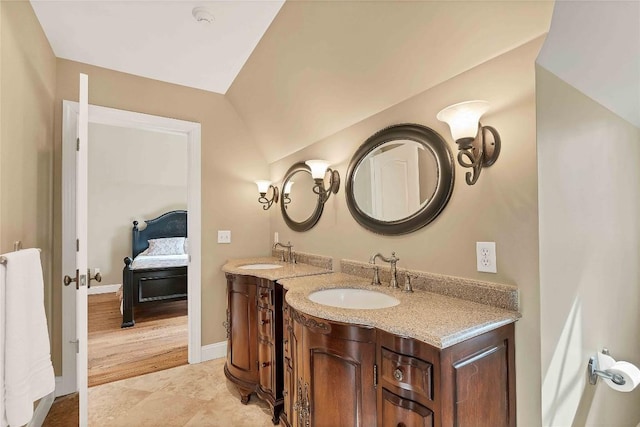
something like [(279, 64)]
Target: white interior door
[(83, 275), (396, 183), (74, 249)]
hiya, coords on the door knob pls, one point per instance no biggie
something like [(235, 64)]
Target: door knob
[(67, 280), (97, 277)]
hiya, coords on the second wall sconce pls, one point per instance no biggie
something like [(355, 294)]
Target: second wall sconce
[(319, 169), (479, 145), (263, 189)]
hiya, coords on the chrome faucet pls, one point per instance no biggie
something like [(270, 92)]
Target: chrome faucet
[(290, 258), (393, 260)]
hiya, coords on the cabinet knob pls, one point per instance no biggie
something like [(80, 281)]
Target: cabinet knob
[(264, 321), (397, 374), (265, 364), (264, 294)]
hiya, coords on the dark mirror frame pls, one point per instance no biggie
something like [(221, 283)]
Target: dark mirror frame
[(431, 140), (317, 212)]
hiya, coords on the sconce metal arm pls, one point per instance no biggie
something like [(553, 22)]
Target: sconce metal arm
[(266, 203), (334, 186), (480, 152)]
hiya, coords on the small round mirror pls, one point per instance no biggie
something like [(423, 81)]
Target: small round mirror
[(400, 179), (300, 206)]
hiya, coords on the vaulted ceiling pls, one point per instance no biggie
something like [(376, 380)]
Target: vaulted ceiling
[(317, 68)]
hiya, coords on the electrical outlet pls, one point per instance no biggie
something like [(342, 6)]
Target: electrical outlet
[(96, 270), (224, 236), (486, 257), (275, 237)]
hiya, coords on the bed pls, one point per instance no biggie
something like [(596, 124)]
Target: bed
[(157, 270)]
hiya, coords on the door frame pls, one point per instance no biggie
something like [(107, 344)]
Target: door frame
[(110, 116)]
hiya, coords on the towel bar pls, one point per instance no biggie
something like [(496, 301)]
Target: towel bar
[(3, 259)]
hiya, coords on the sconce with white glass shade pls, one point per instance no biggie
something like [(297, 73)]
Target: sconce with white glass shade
[(319, 169), (479, 146), (265, 187)]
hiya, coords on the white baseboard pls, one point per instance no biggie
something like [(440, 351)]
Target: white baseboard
[(214, 351), (63, 388), (103, 289)]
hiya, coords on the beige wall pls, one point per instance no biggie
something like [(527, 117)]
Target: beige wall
[(589, 189), (324, 66), (27, 88), (134, 174), (230, 163), (501, 207)]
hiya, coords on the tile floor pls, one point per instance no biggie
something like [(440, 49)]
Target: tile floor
[(189, 395)]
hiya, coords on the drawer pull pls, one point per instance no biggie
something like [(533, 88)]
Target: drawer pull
[(265, 364), (397, 374), (264, 321)]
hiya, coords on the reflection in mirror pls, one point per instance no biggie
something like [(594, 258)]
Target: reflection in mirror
[(301, 208), (302, 200), (399, 164), (400, 179)]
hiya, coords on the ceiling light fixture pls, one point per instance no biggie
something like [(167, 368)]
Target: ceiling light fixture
[(202, 15)]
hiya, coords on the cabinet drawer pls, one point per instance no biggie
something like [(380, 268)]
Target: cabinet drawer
[(265, 324), (399, 412), (408, 373), (265, 367)]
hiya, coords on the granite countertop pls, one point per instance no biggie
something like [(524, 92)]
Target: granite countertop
[(286, 271), (435, 319)]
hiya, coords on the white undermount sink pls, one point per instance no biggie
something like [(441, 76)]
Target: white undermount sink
[(260, 266), (353, 298)]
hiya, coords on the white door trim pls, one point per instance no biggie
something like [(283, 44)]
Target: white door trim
[(111, 116)]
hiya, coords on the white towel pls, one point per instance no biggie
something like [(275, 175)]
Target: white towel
[(28, 372)]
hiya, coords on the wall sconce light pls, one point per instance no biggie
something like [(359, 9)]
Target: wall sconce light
[(263, 189), (285, 194), (319, 169), (480, 145)]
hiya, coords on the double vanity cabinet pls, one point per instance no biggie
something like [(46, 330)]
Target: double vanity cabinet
[(406, 366)]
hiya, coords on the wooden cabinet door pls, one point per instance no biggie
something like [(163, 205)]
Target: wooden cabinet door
[(478, 385), (242, 354), (338, 373)]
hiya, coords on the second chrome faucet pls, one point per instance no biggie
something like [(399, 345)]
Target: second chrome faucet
[(393, 260), (290, 257)]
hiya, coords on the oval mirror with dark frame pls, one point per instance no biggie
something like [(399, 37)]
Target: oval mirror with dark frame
[(301, 208), (400, 179)]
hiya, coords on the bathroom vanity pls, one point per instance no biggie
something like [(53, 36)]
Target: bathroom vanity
[(430, 360), (254, 327)]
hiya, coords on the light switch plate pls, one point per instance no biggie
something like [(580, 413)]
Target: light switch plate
[(486, 257), (224, 236)]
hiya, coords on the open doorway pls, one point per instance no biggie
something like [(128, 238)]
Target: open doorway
[(134, 175), (132, 120)]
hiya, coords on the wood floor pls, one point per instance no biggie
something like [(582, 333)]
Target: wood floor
[(158, 341)]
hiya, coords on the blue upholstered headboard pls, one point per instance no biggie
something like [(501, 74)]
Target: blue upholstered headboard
[(170, 224)]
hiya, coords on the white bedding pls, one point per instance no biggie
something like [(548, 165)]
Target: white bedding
[(159, 261)]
